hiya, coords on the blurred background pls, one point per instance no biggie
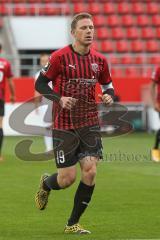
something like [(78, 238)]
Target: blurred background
[(127, 32)]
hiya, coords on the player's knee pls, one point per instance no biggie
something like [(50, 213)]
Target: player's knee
[(90, 173)]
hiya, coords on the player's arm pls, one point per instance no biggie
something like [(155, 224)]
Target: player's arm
[(106, 85), (12, 89), (108, 93), (37, 95), (155, 80), (153, 92), (48, 73), (42, 87)]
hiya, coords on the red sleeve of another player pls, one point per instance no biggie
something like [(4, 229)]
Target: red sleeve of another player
[(156, 75), (105, 76), (9, 71), (51, 70)]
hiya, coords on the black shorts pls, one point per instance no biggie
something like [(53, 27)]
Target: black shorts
[(70, 146), (1, 108)]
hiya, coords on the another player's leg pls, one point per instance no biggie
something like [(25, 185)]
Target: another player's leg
[(48, 143), (1, 138), (156, 150), (83, 195), (48, 140)]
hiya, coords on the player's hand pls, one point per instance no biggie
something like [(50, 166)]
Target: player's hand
[(106, 98), (67, 102), (12, 99)]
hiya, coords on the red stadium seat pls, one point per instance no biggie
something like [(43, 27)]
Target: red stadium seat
[(154, 60), (106, 46), (152, 8), (127, 20), (99, 20), (117, 33), (138, 8), (49, 1), (117, 72), (114, 60), (123, 7), (94, 8), (137, 46), (20, 10), (109, 8), (147, 33), (19, 1), (142, 20), (127, 59), (122, 46), (48, 9), (34, 1), (132, 33), (158, 32), (156, 20), (33, 9), (80, 7), (152, 46), (112, 20), (132, 72), (102, 33), (139, 59), (4, 10)]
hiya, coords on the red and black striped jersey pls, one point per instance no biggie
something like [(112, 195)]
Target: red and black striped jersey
[(5, 72), (75, 75), (156, 79)]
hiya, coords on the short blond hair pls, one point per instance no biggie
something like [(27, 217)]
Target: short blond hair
[(78, 17)]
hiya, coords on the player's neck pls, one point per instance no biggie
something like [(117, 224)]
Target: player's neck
[(82, 50)]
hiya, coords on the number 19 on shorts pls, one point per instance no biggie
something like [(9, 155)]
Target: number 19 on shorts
[(60, 157)]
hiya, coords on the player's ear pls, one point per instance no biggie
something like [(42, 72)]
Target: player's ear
[(73, 33)]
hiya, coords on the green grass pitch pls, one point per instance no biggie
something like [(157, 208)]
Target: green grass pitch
[(125, 204)]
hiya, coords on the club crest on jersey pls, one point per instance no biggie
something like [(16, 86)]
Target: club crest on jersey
[(95, 67)]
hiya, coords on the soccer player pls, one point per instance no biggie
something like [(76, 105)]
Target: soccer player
[(74, 71), (5, 75), (40, 99), (155, 94)]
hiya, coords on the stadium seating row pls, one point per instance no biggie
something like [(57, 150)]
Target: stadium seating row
[(131, 71), (127, 20), (135, 8), (130, 33), (122, 46), (133, 59)]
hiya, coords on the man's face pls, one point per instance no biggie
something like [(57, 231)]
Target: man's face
[(84, 31), (43, 60)]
